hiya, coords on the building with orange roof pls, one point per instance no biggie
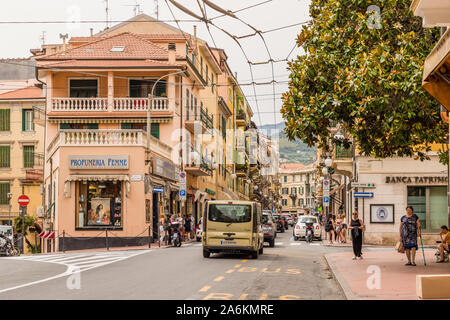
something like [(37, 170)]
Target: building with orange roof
[(103, 171), (21, 154)]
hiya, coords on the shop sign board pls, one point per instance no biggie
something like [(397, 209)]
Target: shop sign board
[(136, 177), (97, 162), (363, 185), (158, 189), (164, 168)]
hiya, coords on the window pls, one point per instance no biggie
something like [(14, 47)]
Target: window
[(285, 178), (78, 126), (99, 204), (230, 213), (284, 202), (118, 49), (28, 156), (4, 190), (27, 120), (293, 190), (201, 65), (187, 103), (430, 205), (154, 128), (143, 88), (5, 156), (212, 82), (83, 88), (5, 116), (206, 75)]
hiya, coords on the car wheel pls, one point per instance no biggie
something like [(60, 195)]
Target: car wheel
[(206, 253), (295, 238), (272, 243), (255, 254), (199, 239)]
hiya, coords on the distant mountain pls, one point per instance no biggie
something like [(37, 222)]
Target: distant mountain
[(290, 151)]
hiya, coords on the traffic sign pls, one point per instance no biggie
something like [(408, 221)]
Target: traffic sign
[(183, 185), (363, 194), (23, 200), (363, 185), (326, 201), (183, 193)]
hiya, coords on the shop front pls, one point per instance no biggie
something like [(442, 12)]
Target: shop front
[(422, 185), (101, 201)]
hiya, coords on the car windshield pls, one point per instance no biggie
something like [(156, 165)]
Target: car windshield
[(276, 217), (308, 220), (265, 219), (230, 213)]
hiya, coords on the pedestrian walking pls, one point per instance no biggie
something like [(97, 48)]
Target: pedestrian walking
[(344, 229), (409, 232), (187, 227), (329, 228), (357, 227), (338, 225)]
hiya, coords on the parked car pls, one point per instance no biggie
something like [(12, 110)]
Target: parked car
[(278, 222), (300, 227), (269, 228)]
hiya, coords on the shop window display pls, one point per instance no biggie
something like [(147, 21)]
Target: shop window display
[(99, 204)]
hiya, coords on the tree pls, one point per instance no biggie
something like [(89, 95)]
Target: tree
[(368, 79), (28, 222)]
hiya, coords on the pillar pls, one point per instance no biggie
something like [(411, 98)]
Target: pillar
[(110, 91)]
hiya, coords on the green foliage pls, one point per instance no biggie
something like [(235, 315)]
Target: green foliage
[(28, 222), (369, 80)]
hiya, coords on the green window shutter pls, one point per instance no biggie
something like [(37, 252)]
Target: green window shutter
[(64, 126), (5, 119), (4, 190), (23, 119), (93, 126), (125, 125), (28, 156), (155, 130), (4, 156)]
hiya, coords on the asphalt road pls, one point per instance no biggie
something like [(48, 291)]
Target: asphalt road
[(293, 270)]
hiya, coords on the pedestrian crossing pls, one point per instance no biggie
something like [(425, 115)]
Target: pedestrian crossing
[(83, 261), (278, 244)]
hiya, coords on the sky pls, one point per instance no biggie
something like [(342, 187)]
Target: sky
[(18, 38)]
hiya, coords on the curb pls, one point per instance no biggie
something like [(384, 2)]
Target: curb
[(349, 295)]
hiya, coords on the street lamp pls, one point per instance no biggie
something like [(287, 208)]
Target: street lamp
[(328, 162)]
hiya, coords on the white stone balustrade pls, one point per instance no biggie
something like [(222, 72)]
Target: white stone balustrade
[(80, 104)]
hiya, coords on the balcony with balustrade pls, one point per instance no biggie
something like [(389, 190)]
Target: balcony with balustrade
[(199, 168), (199, 118), (106, 138)]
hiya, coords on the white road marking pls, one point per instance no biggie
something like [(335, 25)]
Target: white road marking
[(278, 243), (296, 244), (76, 262)]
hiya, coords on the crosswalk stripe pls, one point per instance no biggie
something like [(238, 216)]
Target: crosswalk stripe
[(296, 244), (279, 243)]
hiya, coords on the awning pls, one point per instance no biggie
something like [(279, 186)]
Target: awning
[(97, 177), (42, 234), (51, 235), (223, 196), (335, 190), (436, 73), (157, 181), (174, 186)]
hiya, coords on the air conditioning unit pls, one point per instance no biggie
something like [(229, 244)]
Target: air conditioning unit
[(40, 212)]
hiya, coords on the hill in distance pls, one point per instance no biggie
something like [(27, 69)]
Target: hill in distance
[(290, 151)]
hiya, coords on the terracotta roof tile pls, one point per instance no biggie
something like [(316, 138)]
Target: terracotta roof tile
[(292, 166), (161, 36), (24, 93), (135, 48), (106, 64)]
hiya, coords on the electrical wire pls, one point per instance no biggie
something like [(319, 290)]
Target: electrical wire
[(249, 7)]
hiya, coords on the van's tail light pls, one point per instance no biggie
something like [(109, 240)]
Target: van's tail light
[(297, 227), (317, 227)]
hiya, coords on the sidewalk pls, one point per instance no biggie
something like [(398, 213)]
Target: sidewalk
[(153, 246), (397, 281)]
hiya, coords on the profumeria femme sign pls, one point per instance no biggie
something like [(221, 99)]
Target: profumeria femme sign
[(417, 179), (118, 162)]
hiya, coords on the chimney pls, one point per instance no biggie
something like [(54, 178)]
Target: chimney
[(92, 32), (64, 37), (172, 52)]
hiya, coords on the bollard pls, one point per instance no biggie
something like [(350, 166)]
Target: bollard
[(64, 242), (107, 245), (149, 238)]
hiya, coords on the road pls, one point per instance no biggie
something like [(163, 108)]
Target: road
[(292, 270)]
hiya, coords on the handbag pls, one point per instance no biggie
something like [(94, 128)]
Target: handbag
[(399, 247)]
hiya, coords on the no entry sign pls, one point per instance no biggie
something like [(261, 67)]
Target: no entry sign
[(23, 200)]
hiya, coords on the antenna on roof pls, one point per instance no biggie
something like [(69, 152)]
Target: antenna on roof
[(107, 13), (136, 8), (43, 37), (156, 12)]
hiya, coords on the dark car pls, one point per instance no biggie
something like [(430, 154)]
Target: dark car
[(285, 221), (270, 229), (278, 222)]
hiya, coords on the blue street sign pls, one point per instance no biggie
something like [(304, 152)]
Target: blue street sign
[(182, 193), (158, 189), (326, 199), (363, 194)]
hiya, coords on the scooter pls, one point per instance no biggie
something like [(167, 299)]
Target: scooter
[(309, 235), (7, 246), (176, 234)]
